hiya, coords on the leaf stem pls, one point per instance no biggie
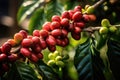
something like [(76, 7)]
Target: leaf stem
[(98, 3)]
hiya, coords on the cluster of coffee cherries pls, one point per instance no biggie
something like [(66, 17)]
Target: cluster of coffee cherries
[(52, 33)]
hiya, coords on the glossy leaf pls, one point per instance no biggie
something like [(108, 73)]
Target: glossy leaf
[(21, 71), (46, 72), (88, 62), (53, 8), (27, 8), (114, 58), (36, 20)]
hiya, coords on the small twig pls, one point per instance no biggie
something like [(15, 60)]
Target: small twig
[(98, 3)]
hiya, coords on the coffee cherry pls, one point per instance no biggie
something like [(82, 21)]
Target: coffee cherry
[(43, 43), (36, 40), (60, 63), (103, 30), (39, 55), (24, 33), (65, 23), (58, 58), (27, 42), (75, 36), (46, 26), (56, 32), (105, 23), (78, 8), (56, 18), (55, 25), (77, 16), (80, 24), (71, 27), (51, 63), (71, 12), (34, 58), (3, 57), (12, 42), (52, 48), (36, 33), (36, 48), (90, 10), (50, 40), (6, 47), (58, 42), (25, 52), (65, 14), (64, 33), (13, 57), (86, 18), (18, 37), (65, 42), (112, 29), (77, 30), (92, 17), (44, 33)]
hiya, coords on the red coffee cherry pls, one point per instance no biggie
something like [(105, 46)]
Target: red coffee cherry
[(75, 36), (18, 37), (36, 33), (56, 18), (64, 33), (6, 47), (50, 40), (65, 14), (78, 8), (13, 57), (80, 24), (71, 27), (27, 42), (56, 32), (25, 52), (58, 42), (52, 48), (77, 16), (65, 42), (55, 25), (36, 40), (43, 43), (24, 33), (40, 55), (92, 17), (36, 48), (3, 57), (77, 30), (12, 42), (46, 26), (34, 58), (30, 37), (71, 12), (65, 23), (44, 33), (86, 18)]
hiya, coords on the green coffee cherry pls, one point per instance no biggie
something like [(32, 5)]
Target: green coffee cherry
[(58, 58), (103, 30), (51, 56), (90, 9), (51, 62), (105, 23), (112, 29), (60, 63)]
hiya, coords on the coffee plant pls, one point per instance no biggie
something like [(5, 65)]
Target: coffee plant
[(64, 40)]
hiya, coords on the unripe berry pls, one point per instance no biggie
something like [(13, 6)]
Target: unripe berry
[(36, 33), (27, 42), (65, 23), (56, 53), (34, 58), (77, 8), (13, 57), (6, 47), (75, 36), (12, 42), (90, 9), (3, 57), (24, 33), (18, 37), (77, 16), (112, 29), (25, 52), (65, 14), (55, 25), (56, 18), (52, 48), (92, 17), (105, 23), (46, 26), (36, 40), (51, 63), (58, 58), (56, 32), (51, 56), (43, 43), (60, 63), (50, 40), (103, 30), (44, 33)]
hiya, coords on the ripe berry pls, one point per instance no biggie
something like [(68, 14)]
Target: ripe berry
[(56, 32), (40, 55), (65, 14), (77, 16), (80, 24), (64, 33), (55, 25), (50, 40), (58, 42), (77, 30), (36, 33), (34, 58), (27, 42), (65, 42), (60, 63), (65, 23), (78, 8), (92, 17), (18, 37), (43, 43), (56, 18), (24, 33), (52, 48), (36, 48), (6, 47), (75, 36), (36, 40), (12, 57), (3, 57), (71, 12), (46, 26), (44, 33), (25, 52)]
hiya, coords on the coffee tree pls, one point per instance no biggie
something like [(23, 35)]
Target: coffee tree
[(64, 40)]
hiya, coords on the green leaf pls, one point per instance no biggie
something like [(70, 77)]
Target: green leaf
[(36, 20), (27, 8), (46, 72), (21, 71), (88, 62), (53, 8), (114, 58)]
